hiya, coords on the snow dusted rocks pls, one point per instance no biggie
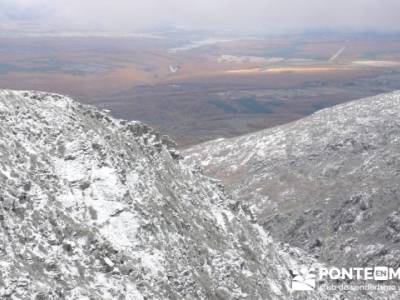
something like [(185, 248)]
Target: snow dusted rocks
[(329, 183), (97, 208)]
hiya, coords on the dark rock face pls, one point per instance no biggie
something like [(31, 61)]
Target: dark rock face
[(97, 208), (329, 184)]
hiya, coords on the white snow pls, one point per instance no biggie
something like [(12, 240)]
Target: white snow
[(121, 230)]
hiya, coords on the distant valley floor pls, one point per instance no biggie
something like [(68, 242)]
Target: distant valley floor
[(194, 88)]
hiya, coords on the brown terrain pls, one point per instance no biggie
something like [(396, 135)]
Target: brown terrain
[(196, 89)]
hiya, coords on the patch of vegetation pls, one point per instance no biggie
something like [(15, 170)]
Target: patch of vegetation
[(251, 105), (227, 108)]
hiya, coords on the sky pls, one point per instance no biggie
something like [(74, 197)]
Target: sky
[(246, 15)]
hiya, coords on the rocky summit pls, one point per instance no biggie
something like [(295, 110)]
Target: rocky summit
[(328, 184), (97, 208)]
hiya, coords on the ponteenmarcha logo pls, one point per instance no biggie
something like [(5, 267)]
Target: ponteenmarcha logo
[(305, 279)]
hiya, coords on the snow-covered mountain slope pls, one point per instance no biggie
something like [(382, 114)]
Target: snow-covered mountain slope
[(329, 183), (97, 208)]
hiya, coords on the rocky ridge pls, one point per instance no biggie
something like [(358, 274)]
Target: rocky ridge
[(97, 208), (329, 183)]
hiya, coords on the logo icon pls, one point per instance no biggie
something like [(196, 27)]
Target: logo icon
[(304, 280), (381, 273)]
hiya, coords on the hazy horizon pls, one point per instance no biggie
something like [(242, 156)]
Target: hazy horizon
[(255, 15)]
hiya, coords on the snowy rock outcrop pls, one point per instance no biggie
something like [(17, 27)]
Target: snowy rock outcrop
[(97, 208), (329, 183)]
